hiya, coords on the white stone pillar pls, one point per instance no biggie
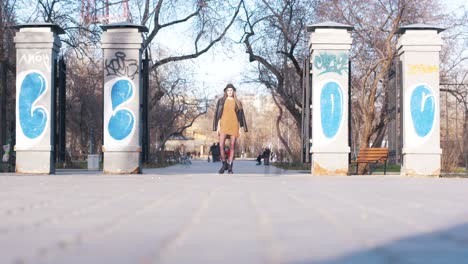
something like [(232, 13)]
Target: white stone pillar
[(330, 43), (419, 48), (122, 45), (37, 46)]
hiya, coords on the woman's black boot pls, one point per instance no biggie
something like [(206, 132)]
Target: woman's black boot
[(230, 167), (224, 167)]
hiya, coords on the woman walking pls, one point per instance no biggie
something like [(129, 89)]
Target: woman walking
[(229, 118)]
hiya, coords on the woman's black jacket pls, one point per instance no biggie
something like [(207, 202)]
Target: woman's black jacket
[(219, 113)]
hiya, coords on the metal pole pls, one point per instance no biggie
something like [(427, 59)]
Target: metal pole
[(396, 109), (303, 114), (62, 109), (446, 118), (456, 121), (349, 111), (309, 111), (126, 12), (306, 92), (400, 104), (144, 114), (54, 107), (3, 102)]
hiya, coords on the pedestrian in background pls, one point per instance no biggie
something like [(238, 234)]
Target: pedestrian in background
[(266, 156), (259, 158), (212, 152)]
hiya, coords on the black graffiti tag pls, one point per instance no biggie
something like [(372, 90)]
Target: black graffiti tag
[(120, 66)]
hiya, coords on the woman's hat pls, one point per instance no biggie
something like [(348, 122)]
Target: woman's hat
[(229, 85)]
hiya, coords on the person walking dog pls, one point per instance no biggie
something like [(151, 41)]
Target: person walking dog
[(229, 118)]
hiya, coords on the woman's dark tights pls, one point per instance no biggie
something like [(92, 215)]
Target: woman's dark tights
[(222, 139)]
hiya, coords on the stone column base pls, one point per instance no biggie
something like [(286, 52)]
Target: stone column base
[(34, 162), (330, 164), (122, 162), (419, 164)]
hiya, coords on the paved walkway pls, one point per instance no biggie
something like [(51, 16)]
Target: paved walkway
[(188, 214)]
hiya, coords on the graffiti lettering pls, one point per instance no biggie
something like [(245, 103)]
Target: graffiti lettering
[(326, 62), (121, 67), (35, 59), (421, 68)]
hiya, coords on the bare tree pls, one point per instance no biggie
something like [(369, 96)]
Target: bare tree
[(84, 105), (459, 90), (274, 38), (7, 71), (454, 81), (260, 111), (83, 80), (205, 19), (376, 24), (7, 20), (81, 36), (175, 103), (173, 106)]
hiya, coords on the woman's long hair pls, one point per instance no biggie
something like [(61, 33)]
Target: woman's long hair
[(238, 103)]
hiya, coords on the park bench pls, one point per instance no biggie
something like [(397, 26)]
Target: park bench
[(372, 156)]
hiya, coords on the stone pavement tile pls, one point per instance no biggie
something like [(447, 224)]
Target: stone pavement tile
[(292, 228), (238, 244), (20, 248), (45, 226), (395, 230), (148, 228), (223, 231), (197, 216), (118, 246)]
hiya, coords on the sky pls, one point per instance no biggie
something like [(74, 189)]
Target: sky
[(229, 63), (226, 62)]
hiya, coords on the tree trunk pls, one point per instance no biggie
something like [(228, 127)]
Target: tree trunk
[(377, 143), (278, 129), (366, 136)]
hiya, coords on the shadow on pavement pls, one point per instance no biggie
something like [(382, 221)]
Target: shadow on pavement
[(445, 246)]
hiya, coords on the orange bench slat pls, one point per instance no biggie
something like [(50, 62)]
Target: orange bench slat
[(372, 155)]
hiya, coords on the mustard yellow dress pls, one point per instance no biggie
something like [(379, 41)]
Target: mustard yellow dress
[(229, 124)]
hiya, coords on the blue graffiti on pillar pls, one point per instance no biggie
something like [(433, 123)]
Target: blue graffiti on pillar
[(32, 119), (422, 105), (327, 62), (122, 121), (331, 108)]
